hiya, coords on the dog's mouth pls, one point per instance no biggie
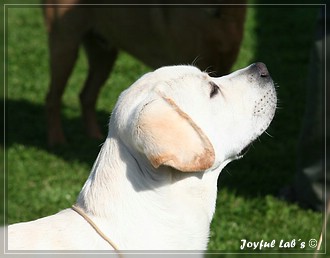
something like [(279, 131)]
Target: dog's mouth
[(245, 150)]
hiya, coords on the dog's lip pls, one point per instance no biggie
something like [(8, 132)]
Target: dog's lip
[(245, 150)]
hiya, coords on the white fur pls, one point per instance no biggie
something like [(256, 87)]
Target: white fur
[(139, 206)]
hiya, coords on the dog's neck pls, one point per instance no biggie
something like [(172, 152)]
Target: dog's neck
[(124, 190)]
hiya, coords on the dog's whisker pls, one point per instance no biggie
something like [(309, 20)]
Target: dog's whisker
[(211, 73), (227, 172), (269, 134), (195, 60)]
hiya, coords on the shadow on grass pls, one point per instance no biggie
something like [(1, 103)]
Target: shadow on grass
[(26, 125)]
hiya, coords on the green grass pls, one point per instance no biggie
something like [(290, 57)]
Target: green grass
[(42, 181)]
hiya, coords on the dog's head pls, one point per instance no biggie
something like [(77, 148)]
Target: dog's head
[(181, 117)]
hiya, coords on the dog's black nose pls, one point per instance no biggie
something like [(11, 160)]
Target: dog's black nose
[(262, 69)]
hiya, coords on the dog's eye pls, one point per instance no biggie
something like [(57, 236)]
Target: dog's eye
[(214, 89)]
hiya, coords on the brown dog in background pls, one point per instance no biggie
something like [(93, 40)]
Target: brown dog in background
[(156, 35)]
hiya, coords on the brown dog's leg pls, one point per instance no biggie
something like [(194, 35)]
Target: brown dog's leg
[(63, 55), (101, 58), (66, 26)]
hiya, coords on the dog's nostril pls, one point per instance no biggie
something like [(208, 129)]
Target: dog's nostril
[(262, 69)]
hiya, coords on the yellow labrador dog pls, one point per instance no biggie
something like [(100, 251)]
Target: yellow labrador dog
[(154, 182)]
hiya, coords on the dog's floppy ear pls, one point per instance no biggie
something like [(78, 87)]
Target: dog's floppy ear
[(168, 136)]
